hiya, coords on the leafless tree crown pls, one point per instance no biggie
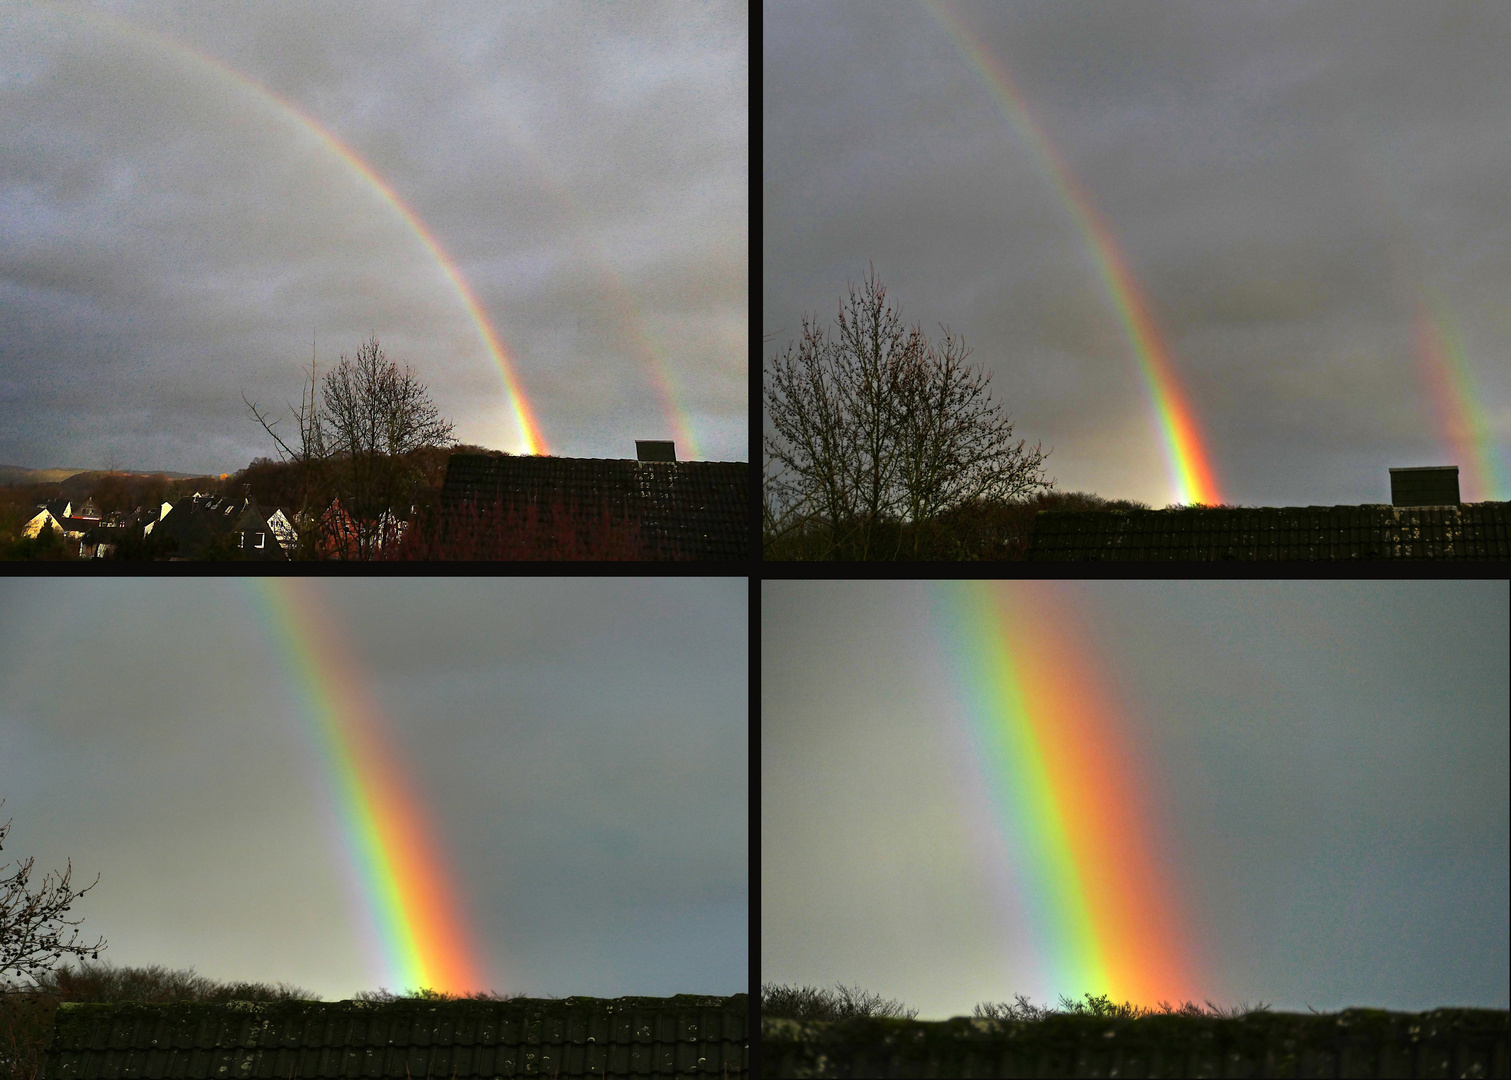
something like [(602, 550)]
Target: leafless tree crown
[(32, 925), (883, 424)]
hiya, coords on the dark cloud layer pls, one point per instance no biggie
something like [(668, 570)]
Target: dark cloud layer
[(580, 744), (170, 239), (1331, 759), (1288, 181)]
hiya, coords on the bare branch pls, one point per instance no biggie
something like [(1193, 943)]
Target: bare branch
[(32, 924)]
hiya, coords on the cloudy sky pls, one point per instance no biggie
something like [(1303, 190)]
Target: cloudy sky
[(1330, 765), (581, 744), (1296, 189), (172, 236)]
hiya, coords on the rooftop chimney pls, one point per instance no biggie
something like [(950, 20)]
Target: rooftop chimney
[(1435, 485), (648, 450)]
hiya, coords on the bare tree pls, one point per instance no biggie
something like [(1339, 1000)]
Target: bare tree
[(32, 924), (370, 415), (310, 454), (957, 445), (376, 414), (881, 425), (833, 408)]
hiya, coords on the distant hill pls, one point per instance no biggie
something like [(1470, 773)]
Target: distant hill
[(15, 474)]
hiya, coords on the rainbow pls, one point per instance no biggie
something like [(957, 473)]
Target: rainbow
[(1063, 784), (524, 418), (1449, 385), (629, 316), (1187, 459), (661, 377), (394, 848)]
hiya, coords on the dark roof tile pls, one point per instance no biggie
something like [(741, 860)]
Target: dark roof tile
[(685, 1036), (695, 509), (1467, 531)]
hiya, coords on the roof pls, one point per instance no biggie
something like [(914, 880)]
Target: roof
[(692, 509), (195, 520), (1467, 531), (683, 1036)]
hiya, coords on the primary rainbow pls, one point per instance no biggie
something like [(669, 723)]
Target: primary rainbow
[(524, 417), (394, 848), (1455, 401), (1067, 796), (1185, 453)]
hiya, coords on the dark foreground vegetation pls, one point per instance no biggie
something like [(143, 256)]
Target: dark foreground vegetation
[(977, 531), (844, 1003), (26, 1016)]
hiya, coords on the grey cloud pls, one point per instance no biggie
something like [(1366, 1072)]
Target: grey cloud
[(1286, 182), (163, 223)]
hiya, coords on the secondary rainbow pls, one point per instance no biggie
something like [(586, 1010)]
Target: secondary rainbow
[(1185, 451), (394, 848), (524, 417), (1067, 795), (1455, 401)]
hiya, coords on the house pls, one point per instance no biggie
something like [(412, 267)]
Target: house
[(73, 522), (340, 534), (151, 516), (574, 1038), (43, 520), (686, 509), (1424, 521), (214, 526)]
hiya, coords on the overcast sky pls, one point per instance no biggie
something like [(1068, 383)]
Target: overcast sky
[(1332, 767), (1287, 181), (582, 745), (171, 238)]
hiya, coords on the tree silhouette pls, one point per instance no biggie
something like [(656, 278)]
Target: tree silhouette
[(32, 924)]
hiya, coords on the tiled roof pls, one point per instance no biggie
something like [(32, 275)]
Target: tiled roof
[(684, 1036), (693, 509), (1467, 531)]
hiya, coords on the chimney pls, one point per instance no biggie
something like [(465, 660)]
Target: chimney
[(1436, 485), (648, 450)]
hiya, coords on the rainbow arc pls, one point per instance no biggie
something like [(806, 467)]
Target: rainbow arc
[(407, 884), (1184, 446)]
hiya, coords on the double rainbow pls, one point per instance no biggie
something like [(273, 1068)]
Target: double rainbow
[(1185, 452), (1067, 796), (406, 884)]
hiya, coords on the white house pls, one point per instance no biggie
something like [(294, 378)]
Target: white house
[(43, 520)]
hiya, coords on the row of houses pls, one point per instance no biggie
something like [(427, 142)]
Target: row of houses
[(193, 522), (683, 509), (203, 526)]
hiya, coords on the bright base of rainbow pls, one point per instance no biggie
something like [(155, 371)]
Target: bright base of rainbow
[(394, 847), (1067, 793)]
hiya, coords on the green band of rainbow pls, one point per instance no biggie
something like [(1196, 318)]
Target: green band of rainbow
[(1067, 794), (1185, 454), (393, 846)]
